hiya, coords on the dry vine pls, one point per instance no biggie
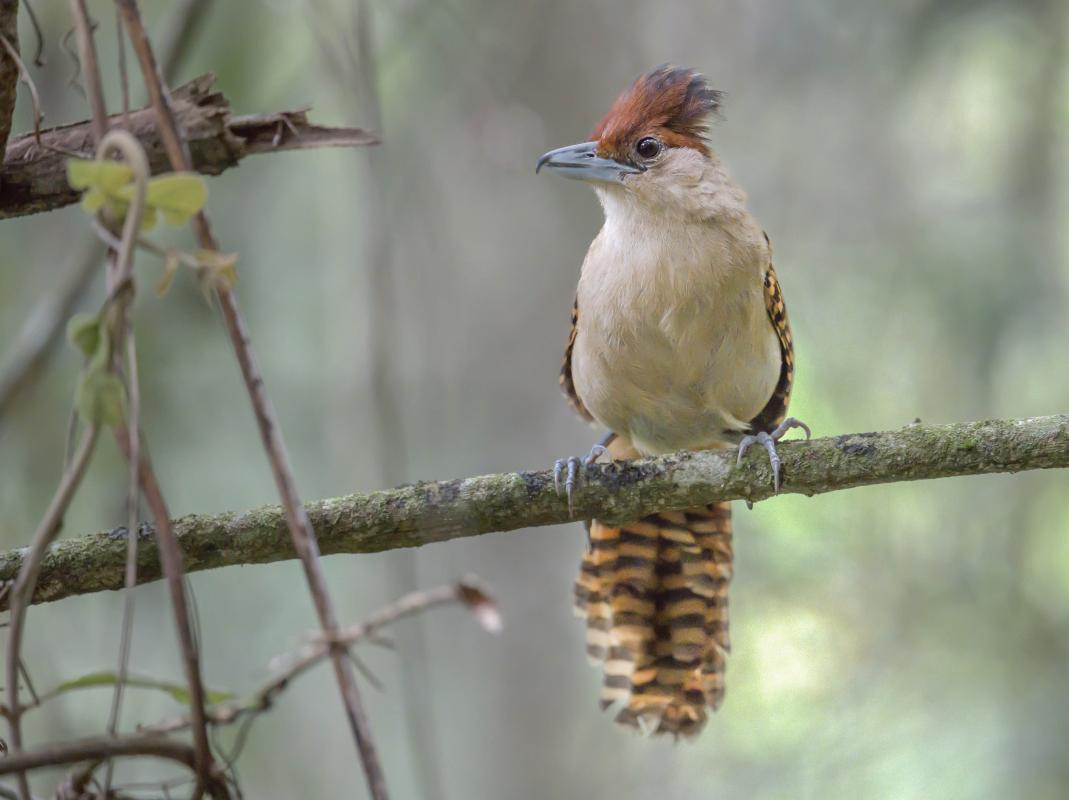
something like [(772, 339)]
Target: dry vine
[(135, 142), (304, 539)]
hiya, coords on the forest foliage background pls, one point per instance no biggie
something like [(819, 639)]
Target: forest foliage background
[(410, 304)]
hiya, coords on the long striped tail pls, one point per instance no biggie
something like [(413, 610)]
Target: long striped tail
[(655, 596)]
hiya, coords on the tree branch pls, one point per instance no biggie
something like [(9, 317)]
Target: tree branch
[(104, 747), (468, 592), (411, 516), (35, 177)]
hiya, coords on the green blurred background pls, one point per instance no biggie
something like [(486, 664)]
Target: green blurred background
[(410, 304)]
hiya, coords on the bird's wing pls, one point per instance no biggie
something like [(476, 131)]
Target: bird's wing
[(567, 385), (775, 409)]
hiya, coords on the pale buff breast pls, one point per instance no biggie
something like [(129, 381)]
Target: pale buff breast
[(674, 346)]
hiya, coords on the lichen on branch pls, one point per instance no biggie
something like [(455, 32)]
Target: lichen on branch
[(436, 511)]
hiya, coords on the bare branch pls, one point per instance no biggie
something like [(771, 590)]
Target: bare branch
[(170, 562), (467, 592), (35, 177), (426, 513), (101, 748), (87, 52), (12, 53), (304, 540)]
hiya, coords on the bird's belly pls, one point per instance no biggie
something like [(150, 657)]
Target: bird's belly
[(687, 385)]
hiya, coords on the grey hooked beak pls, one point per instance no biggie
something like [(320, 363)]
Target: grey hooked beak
[(582, 162)]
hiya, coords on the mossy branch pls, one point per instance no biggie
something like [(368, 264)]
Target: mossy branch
[(410, 516)]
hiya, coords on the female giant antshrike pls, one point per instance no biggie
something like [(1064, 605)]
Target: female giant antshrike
[(679, 341)]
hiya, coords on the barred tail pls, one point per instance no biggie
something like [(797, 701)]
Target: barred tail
[(654, 594)]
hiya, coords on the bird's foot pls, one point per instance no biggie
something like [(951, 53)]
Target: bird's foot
[(572, 468), (144, 531), (768, 441)]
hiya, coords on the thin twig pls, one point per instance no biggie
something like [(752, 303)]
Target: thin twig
[(149, 246), (173, 569), (290, 666), (24, 74), (300, 527), (39, 39), (87, 52), (124, 77), (134, 155), (25, 584), (133, 394), (104, 747), (35, 699), (73, 81)]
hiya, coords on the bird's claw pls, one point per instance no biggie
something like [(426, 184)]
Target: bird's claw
[(768, 441), (144, 531), (571, 468), (770, 446)]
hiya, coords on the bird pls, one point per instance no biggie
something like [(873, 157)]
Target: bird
[(679, 341)]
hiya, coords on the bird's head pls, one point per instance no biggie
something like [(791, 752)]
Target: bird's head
[(652, 144)]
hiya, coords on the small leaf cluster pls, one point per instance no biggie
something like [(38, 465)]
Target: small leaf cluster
[(109, 185), (100, 396)]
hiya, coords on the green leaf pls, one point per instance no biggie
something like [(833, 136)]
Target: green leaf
[(96, 679), (93, 200), (178, 196), (84, 331), (148, 218), (107, 176), (100, 397), (118, 207)]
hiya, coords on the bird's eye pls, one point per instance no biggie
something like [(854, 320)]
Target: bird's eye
[(648, 148)]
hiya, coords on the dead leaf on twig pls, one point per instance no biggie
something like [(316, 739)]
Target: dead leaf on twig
[(481, 604)]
